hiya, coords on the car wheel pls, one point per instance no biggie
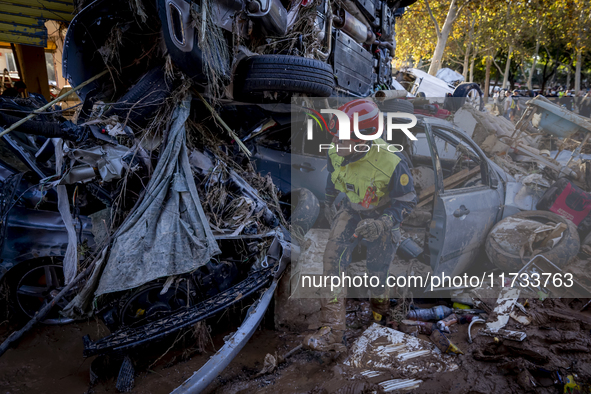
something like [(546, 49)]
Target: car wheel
[(143, 100), (471, 94), (510, 261), (279, 76), (32, 285), (397, 105)]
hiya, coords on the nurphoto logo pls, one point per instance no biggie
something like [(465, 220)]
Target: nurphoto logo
[(344, 128)]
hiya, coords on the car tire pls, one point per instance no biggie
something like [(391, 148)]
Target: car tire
[(471, 94), (142, 101), (305, 209), (560, 255), (30, 273), (397, 105), (283, 75)]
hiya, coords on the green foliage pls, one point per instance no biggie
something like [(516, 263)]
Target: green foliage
[(558, 29)]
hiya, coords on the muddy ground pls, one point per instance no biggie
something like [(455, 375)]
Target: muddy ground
[(49, 360)]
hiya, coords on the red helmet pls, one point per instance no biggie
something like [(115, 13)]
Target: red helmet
[(368, 117)]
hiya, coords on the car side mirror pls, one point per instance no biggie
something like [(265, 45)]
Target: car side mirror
[(494, 183)]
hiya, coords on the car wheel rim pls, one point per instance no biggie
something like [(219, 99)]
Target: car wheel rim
[(473, 98), (38, 287)]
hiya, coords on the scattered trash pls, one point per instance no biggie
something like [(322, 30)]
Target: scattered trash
[(500, 316), (444, 344), (506, 334), (408, 249), (435, 313), (528, 233), (474, 321), (400, 384), (568, 200), (444, 324), (414, 327), (542, 266)]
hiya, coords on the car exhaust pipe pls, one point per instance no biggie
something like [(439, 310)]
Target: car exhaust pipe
[(353, 27), (383, 95)]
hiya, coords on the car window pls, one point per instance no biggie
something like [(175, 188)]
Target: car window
[(459, 162)]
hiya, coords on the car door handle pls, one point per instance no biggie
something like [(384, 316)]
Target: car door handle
[(306, 167), (461, 211)]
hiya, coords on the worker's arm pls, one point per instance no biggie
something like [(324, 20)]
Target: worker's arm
[(403, 198)]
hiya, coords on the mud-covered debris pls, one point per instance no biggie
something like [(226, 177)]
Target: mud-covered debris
[(505, 303), (443, 343), (435, 313), (382, 348)]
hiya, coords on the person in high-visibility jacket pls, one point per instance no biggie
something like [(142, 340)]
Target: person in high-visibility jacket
[(379, 195)]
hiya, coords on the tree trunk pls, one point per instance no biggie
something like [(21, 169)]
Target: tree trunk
[(472, 67), (533, 65), (442, 37), (578, 71), (507, 67), (468, 47), (543, 87), (466, 62), (487, 78)]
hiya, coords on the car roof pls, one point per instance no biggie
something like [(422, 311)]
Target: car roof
[(431, 120)]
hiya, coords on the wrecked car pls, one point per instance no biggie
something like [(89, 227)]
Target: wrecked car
[(316, 48), (198, 258), (462, 188), (420, 83), (33, 237)]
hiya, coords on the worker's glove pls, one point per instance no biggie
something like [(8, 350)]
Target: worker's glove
[(330, 212), (372, 229)]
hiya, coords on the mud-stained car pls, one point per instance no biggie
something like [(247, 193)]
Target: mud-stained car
[(419, 83), (251, 51), (460, 213), (33, 237), (227, 249)]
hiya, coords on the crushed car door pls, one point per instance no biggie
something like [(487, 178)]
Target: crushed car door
[(468, 202)]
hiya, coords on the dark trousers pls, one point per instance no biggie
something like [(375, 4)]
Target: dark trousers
[(340, 246)]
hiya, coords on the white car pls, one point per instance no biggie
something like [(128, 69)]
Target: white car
[(416, 81)]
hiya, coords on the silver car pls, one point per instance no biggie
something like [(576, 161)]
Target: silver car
[(463, 212)]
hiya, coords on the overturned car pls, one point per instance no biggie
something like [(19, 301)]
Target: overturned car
[(251, 51), (171, 232)]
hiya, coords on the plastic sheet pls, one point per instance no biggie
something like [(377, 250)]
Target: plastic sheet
[(168, 234)]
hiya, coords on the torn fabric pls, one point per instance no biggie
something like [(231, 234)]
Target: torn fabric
[(168, 234), (70, 264)]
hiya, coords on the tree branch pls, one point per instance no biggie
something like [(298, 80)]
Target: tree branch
[(461, 63), (433, 19), (460, 9), (498, 68)]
